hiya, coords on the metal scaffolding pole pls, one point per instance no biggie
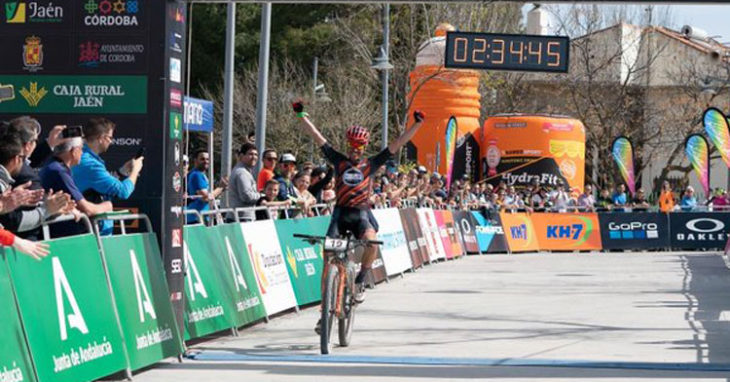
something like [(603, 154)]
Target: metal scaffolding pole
[(263, 84), (228, 78)]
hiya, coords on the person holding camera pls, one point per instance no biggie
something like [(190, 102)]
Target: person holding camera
[(91, 176), (56, 175)]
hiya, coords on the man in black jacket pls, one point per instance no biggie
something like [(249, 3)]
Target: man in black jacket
[(28, 130)]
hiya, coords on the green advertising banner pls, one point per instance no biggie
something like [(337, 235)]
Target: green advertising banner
[(303, 260), (67, 309), (208, 300), (15, 364), (76, 94), (142, 298), (241, 279)]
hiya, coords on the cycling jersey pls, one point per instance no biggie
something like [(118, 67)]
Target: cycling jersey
[(354, 181)]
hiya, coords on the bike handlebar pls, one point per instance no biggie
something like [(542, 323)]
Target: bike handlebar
[(323, 238)]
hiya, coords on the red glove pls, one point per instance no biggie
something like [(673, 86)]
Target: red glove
[(419, 116)]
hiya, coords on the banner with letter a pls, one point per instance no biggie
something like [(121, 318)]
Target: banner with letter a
[(66, 307), (209, 304), (15, 362), (143, 300), (240, 279)]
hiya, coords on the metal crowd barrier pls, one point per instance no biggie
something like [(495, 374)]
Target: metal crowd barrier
[(65, 218)]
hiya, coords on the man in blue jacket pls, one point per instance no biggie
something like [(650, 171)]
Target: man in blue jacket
[(92, 178)]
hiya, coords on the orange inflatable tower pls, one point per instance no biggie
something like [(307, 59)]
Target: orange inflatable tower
[(442, 93)]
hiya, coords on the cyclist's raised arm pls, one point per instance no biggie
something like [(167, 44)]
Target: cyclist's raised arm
[(308, 125), (396, 145)]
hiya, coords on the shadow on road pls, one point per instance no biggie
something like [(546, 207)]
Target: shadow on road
[(707, 290)]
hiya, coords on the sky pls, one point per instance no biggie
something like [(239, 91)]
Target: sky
[(711, 18)]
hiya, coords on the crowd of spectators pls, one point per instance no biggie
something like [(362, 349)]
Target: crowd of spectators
[(299, 189), (67, 178)]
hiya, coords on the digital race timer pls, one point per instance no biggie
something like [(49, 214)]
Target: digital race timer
[(507, 52)]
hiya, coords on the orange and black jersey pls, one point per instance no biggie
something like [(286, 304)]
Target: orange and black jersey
[(354, 181)]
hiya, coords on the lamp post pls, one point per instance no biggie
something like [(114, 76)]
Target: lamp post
[(382, 64)]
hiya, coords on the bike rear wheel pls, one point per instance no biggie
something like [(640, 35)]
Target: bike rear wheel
[(329, 304)]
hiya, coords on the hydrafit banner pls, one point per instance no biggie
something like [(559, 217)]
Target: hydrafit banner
[(453, 232), (716, 127), (623, 154), (698, 153)]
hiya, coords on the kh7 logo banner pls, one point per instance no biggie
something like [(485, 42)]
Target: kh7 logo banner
[(698, 154), (519, 231), (716, 127), (567, 231), (623, 154)]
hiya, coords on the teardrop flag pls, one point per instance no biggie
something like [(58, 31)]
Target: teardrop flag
[(698, 154), (717, 129), (450, 149), (623, 154)]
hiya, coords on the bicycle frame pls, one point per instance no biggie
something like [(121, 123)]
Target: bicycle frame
[(340, 260)]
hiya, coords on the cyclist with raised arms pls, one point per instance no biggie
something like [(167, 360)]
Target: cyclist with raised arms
[(354, 184)]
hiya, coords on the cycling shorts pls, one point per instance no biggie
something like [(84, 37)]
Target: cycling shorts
[(351, 219)]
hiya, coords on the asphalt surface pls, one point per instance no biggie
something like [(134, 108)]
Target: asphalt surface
[(561, 316)]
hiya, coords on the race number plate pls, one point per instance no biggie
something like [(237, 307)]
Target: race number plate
[(331, 244)]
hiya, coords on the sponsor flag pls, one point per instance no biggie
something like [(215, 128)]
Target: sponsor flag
[(449, 149), (698, 154), (623, 154), (717, 129)]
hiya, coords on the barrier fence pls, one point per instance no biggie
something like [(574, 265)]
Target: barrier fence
[(100, 305)]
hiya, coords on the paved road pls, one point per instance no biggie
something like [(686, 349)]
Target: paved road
[(569, 316)]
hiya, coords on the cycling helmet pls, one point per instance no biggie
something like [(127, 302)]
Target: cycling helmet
[(357, 136)]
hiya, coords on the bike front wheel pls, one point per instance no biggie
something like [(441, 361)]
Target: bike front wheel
[(329, 304), (346, 323)]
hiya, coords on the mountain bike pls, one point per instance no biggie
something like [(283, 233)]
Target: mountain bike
[(338, 286)]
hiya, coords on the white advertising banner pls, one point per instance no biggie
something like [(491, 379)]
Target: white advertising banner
[(394, 250), (269, 266), (430, 229)]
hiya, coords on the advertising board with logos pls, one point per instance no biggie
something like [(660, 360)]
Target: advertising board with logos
[(699, 230), (68, 61), (640, 230)]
